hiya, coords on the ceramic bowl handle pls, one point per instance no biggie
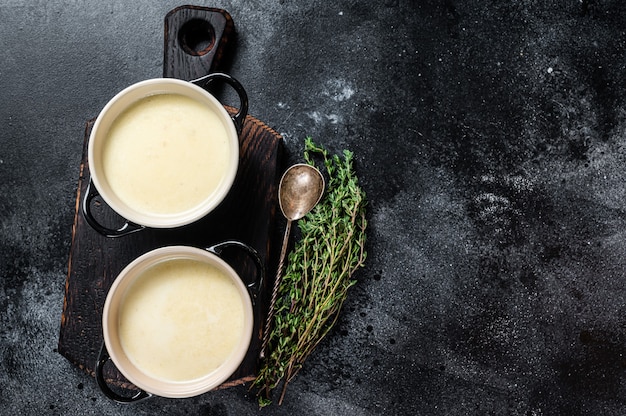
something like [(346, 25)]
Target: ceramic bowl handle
[(127, 228), (254, 287), (103, 357), (240, 116)]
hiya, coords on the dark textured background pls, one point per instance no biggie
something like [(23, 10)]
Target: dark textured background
[(490, 137)]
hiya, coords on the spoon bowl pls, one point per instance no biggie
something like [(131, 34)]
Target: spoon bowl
[(300, 189)]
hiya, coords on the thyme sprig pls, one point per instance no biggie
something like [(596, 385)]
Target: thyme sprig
[(318, 273)]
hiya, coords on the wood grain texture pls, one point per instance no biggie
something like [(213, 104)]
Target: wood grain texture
[(195, 41), (247, 214)]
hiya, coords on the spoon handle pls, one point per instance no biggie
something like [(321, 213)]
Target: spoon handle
[(277, 280)]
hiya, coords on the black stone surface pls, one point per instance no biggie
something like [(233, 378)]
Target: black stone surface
[(490, 137)]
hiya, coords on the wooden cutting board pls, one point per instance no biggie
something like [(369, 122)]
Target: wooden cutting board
[(195, 44)]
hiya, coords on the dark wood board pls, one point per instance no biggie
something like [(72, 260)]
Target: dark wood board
[(247, 214), (196, 41)]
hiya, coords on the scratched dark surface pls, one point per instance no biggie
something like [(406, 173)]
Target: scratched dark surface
[(490, 137)]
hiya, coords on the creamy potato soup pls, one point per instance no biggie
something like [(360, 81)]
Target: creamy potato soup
[(180, 320), (166, 154)]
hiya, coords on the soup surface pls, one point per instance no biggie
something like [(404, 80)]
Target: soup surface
[(166, 154), (180, 320)]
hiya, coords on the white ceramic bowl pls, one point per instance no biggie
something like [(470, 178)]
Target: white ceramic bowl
[(108, 186), (136, 279)]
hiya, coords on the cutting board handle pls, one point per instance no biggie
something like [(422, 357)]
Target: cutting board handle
[(195, 41)]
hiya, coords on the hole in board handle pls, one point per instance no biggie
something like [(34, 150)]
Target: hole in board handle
[(197, 37)]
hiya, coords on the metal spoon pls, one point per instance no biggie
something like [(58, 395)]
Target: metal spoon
[(300, 189)]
